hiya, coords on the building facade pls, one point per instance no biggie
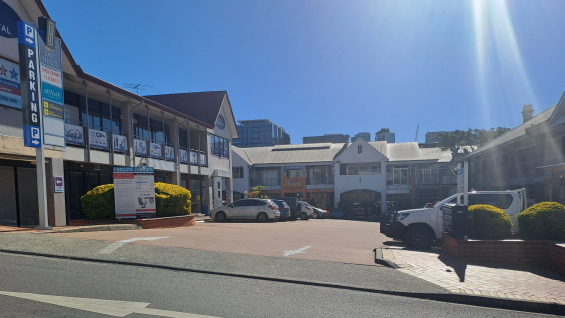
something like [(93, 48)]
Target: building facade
[(260, 133), (186, 138), (364, 135), (334, 138), (433, 136), (326, 174), (385, 135), (530, 156)]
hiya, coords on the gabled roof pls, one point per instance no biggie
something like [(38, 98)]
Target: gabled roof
[(203, 106), (241, 153), (299, 154), (518, 132)]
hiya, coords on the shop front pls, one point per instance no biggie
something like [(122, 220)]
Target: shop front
[(360, 202)]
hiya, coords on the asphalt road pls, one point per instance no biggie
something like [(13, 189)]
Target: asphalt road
[(174, 293)]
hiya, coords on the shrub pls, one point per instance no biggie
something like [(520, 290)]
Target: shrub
[(98, 203), (543, 221), (487, 222), (171, 200)]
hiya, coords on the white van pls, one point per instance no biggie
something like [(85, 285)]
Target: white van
[(419, 228)]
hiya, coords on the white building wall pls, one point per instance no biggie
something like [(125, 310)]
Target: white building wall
[(375, 182), (240, 184)]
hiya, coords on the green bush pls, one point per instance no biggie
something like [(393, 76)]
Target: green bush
[(98, 203), (171, 200), (543, 221), (487, 222)]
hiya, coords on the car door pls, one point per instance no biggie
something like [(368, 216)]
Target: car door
[(254, 208), (237, 209)]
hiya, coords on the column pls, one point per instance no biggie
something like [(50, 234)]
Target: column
[(174, 134), (127, 125), (56, 210)]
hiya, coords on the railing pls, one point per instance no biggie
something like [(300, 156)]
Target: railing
[(268, 183), (449, 179), (319, 180), (550, 161), (428, 179)]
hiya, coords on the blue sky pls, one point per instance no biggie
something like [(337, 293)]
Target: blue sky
[(325, 66)]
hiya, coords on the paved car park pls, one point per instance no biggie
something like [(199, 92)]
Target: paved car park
[(333, 240)]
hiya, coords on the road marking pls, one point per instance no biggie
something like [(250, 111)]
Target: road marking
[(114, 308), (200, 221), (114, 246), (301, 250)]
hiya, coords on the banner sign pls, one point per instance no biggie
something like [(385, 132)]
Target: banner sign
[(74, 134), (10, 88), (169, 153), (140, 147), (120, 143), (193, 158), (97, 139), (203, 161), (156, 151), (53, 110), (293, 167), (59, 188), (183, 156), (8, 21), (134, 192), (29, 72)]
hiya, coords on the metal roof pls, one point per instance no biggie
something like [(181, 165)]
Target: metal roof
[(517, 132), (241, 153)]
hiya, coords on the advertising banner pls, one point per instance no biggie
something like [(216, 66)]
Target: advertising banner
[(98, 139), (203, 161), (183, 156), (193, 158), (10, 87), (140, 147), (74, 134), (169, 153), (156, 151), (59, 188), (120, 143), (134, 192)]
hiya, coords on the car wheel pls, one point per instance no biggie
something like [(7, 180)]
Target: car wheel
[(303, 216), (418, 238), (315, 215), (220, 217), (262, 217)]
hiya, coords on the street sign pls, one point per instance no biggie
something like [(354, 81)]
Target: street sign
[(29, 75), (59, 184), (48, 25)]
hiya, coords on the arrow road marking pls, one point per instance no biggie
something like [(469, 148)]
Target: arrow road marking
[(114, 308), (114, 246), (301, 250)]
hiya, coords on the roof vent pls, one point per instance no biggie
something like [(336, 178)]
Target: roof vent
[(527, 113)]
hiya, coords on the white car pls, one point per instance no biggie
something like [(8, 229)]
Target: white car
[(306, 210), (261, 210)]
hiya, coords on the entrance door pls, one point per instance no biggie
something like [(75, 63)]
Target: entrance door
[(8, 207), (27, 193)]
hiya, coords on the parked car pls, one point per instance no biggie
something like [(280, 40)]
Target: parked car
[(419, 228), (284, 209), (261, 210), (306, 210), (319, 213), (293, 203)]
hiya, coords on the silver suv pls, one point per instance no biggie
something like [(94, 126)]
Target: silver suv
[(261, 210)]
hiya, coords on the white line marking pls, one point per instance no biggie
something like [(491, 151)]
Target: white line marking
[(301, 250), (114, 308), (201, 221), (114, 246)]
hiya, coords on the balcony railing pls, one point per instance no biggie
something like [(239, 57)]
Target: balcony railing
[(428, 179), (550, 161), (319, 181), (268, 183)]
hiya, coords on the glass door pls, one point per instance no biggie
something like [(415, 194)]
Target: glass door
[(400, 176)]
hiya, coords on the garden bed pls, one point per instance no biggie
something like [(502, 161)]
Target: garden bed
[(153, 223)]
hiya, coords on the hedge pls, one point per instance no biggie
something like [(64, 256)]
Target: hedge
[(171, 200), (487, 222), (543, 221)]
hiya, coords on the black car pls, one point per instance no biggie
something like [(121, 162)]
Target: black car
[(293, 203)]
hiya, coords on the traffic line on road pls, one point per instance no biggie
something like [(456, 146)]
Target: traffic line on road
[(116, 308), (301, 250), (114, 246)]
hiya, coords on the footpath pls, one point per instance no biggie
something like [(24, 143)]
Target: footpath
[(406, 281)]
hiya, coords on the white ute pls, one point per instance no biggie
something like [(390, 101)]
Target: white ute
[(419, 228)]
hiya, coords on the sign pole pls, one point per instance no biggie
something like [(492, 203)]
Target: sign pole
[(466, 184), (40, 164)]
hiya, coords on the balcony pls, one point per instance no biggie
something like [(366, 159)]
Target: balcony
[(268, 183), (552, 161), (320, 183)]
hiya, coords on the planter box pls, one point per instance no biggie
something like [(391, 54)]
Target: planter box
[(154, 223), (548, 253)]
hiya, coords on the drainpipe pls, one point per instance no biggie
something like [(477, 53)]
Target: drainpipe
[(199, 163), (177, 159), (111, 129), (133, 130), (188, 145), (87, 132)]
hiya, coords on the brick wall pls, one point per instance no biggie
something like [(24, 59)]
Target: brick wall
[(508, 251)]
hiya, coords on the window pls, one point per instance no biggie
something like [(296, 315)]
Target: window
[(360, 149), (364, 169), (219, 146), (237, 172)]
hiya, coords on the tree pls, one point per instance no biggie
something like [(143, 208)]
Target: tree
[(470, 137), (256, 192)]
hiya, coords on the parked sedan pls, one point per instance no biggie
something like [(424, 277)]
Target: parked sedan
[(319, 213), (284, 208), (261, 210), (306, 210)]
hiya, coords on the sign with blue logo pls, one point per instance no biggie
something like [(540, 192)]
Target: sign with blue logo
[(10, 88), (8, 21), (52, 93), (29, 71)]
